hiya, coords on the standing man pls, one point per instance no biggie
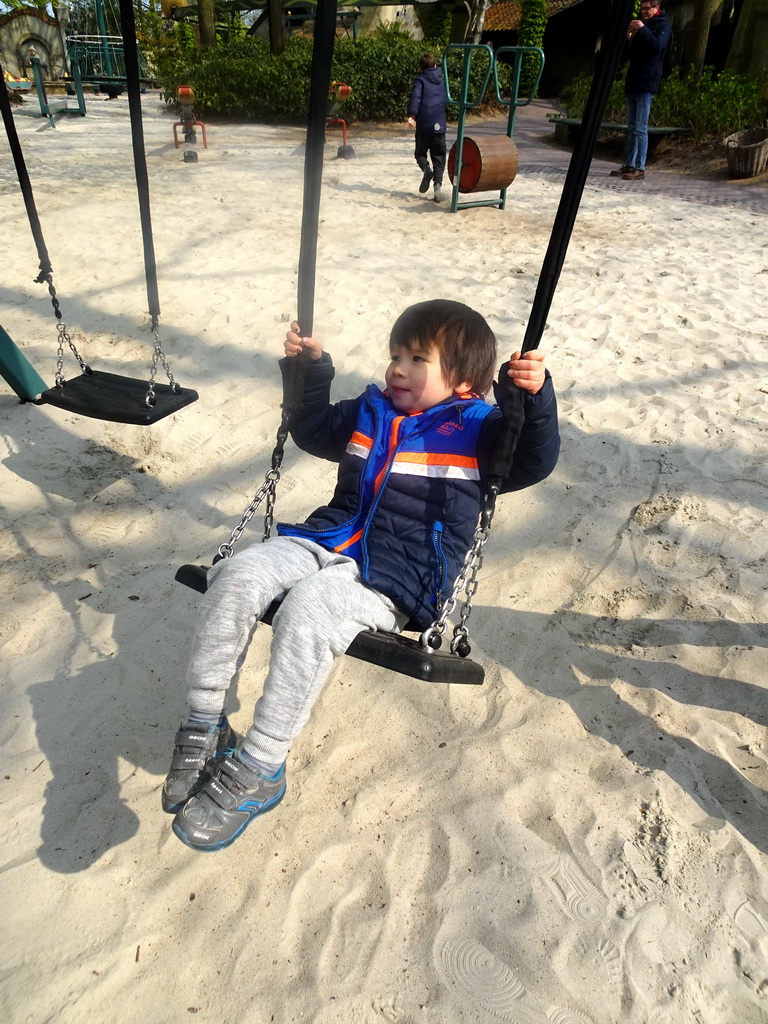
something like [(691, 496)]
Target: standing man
[(649, 37), (426, 113)]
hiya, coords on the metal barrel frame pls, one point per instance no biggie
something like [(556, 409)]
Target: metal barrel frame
[(464, 103)]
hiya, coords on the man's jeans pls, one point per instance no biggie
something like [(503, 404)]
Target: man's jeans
[(638, 111)]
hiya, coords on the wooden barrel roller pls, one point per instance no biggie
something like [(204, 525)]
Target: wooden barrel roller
[(489, 163)]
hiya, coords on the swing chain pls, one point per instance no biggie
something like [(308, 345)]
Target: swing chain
[(46, 278), (158, 353), (64, 336), (268, 489), (467, 582)]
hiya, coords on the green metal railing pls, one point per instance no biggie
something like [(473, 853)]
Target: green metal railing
[(102, 58)]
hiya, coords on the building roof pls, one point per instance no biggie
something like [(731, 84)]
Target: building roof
[(505, 16)]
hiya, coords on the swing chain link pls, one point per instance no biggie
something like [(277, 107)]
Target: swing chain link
[(272, 477), (467, 582), (158, 353)]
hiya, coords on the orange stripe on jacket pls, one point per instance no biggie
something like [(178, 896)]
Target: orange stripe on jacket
[(435, 459), (361, 439), (348, 543), (392, 444)]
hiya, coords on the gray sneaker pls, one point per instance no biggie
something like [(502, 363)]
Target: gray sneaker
[(227, 804), (438, 193), (195, 753)]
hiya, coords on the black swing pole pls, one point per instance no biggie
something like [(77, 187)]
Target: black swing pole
[(511, 398), (605, 73), (319, 87), (293, 369), (175, 396), (24, 183), (128, 25), (14, 365), (45, 275)]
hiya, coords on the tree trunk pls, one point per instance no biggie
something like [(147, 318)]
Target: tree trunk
[(476, 20), (206, 22), (749, 50), (702, 18), (276, 33)]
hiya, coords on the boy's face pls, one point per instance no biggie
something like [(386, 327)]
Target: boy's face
[(415, 380)]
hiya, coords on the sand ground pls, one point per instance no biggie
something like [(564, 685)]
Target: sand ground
[(583, 838)]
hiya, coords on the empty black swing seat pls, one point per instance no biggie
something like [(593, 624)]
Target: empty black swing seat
[(116, 399)]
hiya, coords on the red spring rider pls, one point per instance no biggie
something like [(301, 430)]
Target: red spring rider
[(185, 97), (339, 94)]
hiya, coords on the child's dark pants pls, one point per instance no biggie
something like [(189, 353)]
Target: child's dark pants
[(432, 143)]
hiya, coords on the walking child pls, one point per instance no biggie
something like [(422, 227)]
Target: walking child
[(426, 113), (413, 468)]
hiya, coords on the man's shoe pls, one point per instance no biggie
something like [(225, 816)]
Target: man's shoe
[(195, 753), (624, 169), (227, 804), (425, 181), (634, 175), (438, 193)]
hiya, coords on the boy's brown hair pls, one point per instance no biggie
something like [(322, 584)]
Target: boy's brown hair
[(427, 60), (466, 343)]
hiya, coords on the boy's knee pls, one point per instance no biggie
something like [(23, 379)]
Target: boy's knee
[(235, 572), (307, 598), (315, 606)]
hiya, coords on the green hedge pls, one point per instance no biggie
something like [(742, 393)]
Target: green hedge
[(712, 107), (533, 22), (242, 79)]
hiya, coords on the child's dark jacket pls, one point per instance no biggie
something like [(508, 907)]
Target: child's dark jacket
[(410, 488), (427, 101)]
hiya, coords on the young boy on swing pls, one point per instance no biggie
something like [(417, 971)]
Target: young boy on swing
[(413, 468)]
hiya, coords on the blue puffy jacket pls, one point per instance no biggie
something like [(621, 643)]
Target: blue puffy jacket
[(410, 488), (646, 55), (427, 102)]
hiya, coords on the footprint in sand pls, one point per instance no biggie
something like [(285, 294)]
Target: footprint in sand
[(343, 908), (486, 981), (752, 961), (582, 901), (580, 898)]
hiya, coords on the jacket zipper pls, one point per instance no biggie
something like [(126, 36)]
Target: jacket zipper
[(437, 542), (385, 477), (387, 469)]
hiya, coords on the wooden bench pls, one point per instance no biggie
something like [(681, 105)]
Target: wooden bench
[(566, 129)]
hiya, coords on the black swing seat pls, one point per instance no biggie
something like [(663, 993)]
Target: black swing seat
[(388, 650), (108, 396)]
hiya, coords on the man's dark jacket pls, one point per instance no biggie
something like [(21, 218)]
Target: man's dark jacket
[(646, 55)]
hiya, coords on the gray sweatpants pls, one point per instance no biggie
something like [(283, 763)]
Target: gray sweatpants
[(325, 606)]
